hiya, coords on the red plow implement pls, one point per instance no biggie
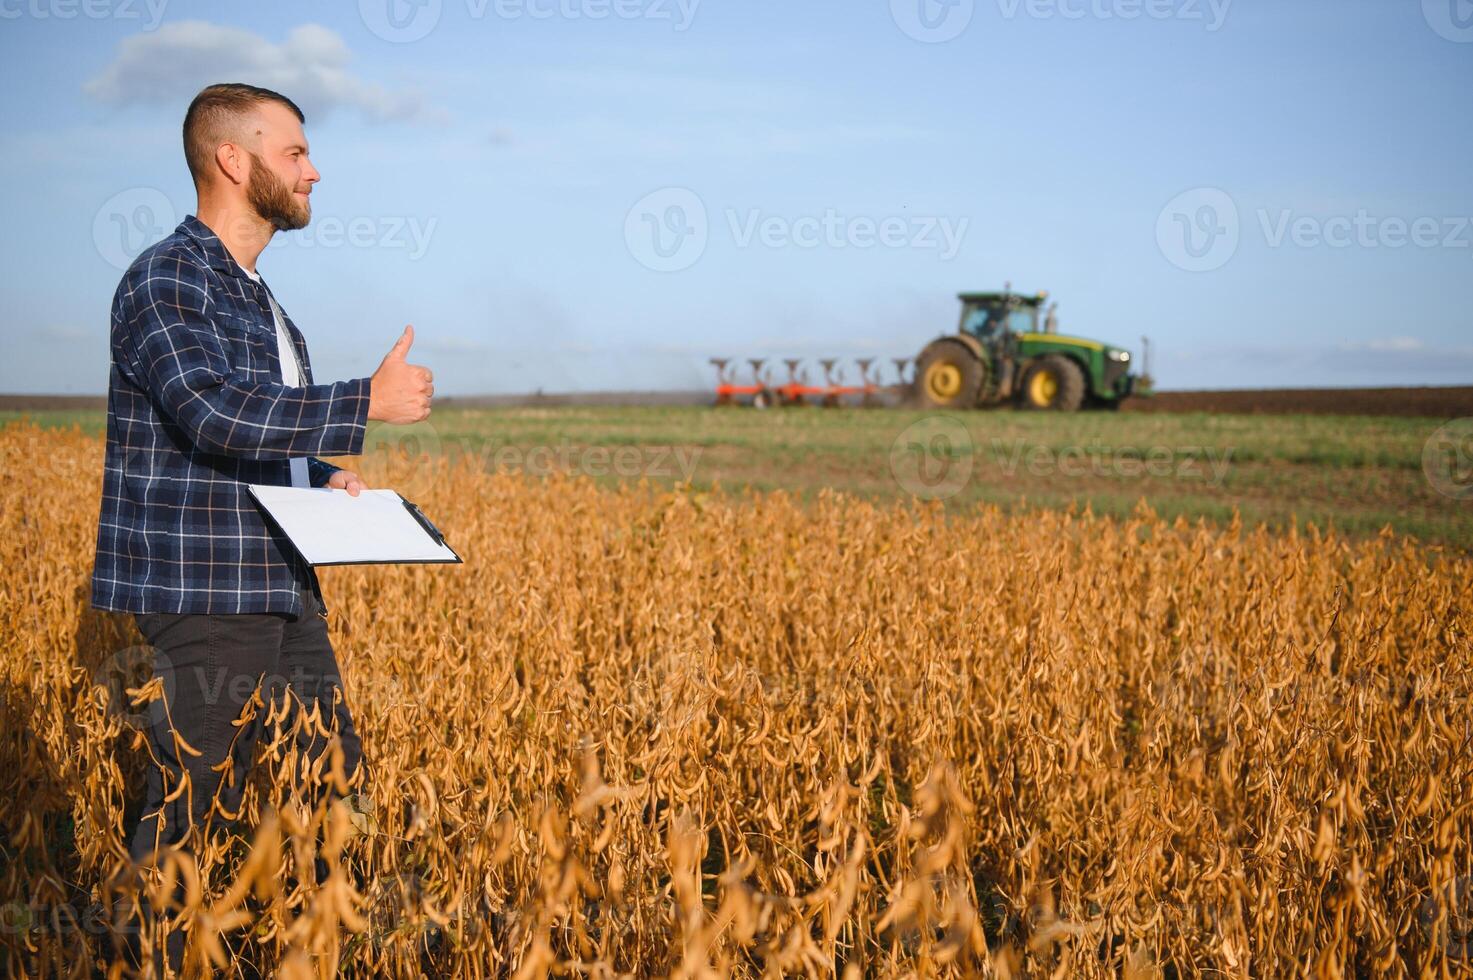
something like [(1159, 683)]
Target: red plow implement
[(760, 390)]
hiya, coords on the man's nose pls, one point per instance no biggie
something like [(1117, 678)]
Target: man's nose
[(310, 174)]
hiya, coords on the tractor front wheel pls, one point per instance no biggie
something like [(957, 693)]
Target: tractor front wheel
[(948, 375), (1053, 383)]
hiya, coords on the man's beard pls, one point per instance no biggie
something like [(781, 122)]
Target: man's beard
[(273, 200)]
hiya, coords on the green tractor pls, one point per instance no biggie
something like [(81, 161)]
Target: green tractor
[(1000, 354)]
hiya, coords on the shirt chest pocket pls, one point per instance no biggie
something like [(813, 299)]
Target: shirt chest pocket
[(252, 343)]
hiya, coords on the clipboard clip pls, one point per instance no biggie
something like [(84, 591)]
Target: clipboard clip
[(425, 523)]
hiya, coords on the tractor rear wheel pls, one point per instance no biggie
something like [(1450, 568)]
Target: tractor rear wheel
[(948, 375), (1053, 383)]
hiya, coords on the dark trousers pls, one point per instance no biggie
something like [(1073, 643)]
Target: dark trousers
[(211, 667)]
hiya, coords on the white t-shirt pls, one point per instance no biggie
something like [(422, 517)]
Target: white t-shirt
[(291, 376)]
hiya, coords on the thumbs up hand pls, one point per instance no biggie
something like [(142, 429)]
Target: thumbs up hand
[(400, 392)]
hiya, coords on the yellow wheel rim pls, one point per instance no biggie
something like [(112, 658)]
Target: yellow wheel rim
[(1043, 388), (943, 381)]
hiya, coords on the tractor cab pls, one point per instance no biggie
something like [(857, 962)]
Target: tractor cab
[(991, 316)]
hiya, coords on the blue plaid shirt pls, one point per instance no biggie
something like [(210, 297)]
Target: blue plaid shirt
[(196, 409)]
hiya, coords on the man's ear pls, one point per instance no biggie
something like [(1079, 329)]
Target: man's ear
[(233, 162)]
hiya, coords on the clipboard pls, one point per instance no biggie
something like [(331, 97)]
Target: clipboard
[(332, 527)]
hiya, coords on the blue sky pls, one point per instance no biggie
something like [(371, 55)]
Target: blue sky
[(601, 194)]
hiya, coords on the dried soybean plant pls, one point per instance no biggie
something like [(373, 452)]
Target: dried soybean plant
[(646, 731)]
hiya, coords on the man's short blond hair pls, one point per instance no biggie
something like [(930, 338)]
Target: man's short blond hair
[(214, 117)]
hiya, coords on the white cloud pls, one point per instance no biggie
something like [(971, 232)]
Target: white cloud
[(170, 65)]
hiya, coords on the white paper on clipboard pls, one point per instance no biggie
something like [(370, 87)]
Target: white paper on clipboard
[(333, 527)]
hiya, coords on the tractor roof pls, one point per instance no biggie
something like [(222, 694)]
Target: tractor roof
[(1022, 299)]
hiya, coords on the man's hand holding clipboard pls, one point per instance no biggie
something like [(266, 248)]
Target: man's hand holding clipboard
[(345, 522), (338, 527)]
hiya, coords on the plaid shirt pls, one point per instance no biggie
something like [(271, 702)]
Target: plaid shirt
[(196, 409)]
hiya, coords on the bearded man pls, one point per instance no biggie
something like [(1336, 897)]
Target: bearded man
[(210, 389)]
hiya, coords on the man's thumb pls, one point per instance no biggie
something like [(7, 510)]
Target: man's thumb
[(400, 350)]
